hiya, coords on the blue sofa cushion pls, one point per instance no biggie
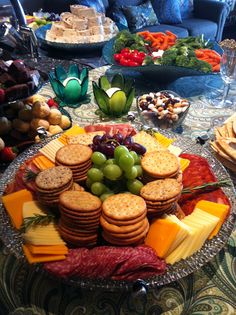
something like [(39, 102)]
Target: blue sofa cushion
[(96, 4), (198, 27), (179, 31), (186, 8), (140, 16), (167, 11)]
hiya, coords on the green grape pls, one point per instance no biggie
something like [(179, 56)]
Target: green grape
[(98, 158), (136, 157), (98, 188), (110, 161), (106, 195), (112, 172), (132, 173), (88, 182), (139, 170), (121, 149), (134, 186), (95, 175), (126, 161)]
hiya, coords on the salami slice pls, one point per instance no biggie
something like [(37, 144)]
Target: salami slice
[(199, 172), (106, 262), (124, 129)]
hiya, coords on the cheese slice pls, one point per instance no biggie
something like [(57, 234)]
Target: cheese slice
[(166, 142), (73, 131), (175, 150), (38, 258), (50, 149), (181, 235), (13, 204), (43, 163), (148, 141), (184, 163), (219, 210), (162, 233), (40, 234), (50, 249)]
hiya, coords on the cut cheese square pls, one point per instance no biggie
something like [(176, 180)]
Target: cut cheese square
[(166, 142), (175, 150), (42, 162), (50, 149), (13, 204), (161, 235), (73, 131), (48, 250), (148, 141), (38, 258), (184, 163), (219, 210)]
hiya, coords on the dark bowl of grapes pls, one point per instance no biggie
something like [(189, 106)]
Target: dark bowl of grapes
[(116, 165)]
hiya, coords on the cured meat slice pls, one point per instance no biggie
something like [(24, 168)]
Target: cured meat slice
[(124, 129), (199, 172), (105, 262)]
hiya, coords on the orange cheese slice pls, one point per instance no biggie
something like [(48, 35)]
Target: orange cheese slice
[(73, 131), (48, 250), (219, 210), (38, 258), (13, 204), (163, 140), (184, 163), (162, 233), (43, 163)]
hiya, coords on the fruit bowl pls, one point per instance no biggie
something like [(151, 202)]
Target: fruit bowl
[(168, 112)]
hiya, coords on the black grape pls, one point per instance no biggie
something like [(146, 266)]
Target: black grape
[(109, 149), (97, 139), (118, 137), (138, 148)]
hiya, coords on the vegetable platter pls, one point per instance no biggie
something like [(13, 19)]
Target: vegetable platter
[(163, 54)]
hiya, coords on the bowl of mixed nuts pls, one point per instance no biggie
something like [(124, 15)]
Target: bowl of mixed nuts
[(163, 109)]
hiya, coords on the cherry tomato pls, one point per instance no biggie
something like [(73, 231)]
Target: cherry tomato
[(123, 61), (125, 50), (132, 63), (117, 57), (142, 54)]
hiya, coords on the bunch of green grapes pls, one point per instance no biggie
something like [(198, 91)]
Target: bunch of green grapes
[(113, 175)]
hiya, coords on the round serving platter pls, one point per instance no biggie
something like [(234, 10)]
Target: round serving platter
[(13, 240)]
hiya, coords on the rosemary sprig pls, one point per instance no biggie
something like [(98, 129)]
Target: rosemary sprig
[(36, 219), (221, 183), (30, 175)]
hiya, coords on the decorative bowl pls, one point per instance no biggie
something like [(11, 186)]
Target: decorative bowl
[(163, 115), (114, 97)]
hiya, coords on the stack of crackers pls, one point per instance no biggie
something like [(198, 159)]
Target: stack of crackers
[(160, 165), (51, 183), (77, 157), (225, 144), (124, 220), (161, 197), (80, 216)]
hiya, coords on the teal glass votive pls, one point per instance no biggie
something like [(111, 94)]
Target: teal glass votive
[(70, 87), (114, 97)]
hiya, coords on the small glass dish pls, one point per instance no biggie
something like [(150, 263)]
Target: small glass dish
[(164, 109)]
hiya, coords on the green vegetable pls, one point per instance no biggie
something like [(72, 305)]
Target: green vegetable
[(148, 60), (126, 39), (169, 56)]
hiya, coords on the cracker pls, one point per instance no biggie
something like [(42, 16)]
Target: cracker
[(148, 141), (162, 189), (128, 235), (229, 146), (160, 164), (53, 178), (84, 138), (124, 206), (120, 229), (80, 201), (229, 127), (124, 222), (73, 154)]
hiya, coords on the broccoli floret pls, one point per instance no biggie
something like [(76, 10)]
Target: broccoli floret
[(126, 39), (169, 56), (200, 65), (147, 61), (183, 50), (182, 61)]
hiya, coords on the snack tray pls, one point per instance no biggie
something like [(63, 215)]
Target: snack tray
[(13, 240)]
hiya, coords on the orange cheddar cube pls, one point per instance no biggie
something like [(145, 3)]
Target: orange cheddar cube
[(219, 210), (13, 204), (162, 233)]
